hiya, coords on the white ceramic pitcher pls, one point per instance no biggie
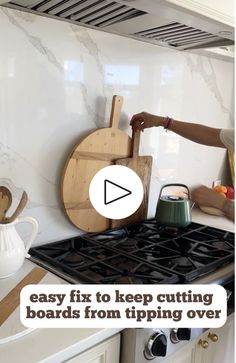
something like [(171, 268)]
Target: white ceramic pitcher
[(12, 248)]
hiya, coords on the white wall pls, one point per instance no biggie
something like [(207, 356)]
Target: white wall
[(56, 83)]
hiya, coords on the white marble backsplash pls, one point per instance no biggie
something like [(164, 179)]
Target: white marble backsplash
[(56, 83)]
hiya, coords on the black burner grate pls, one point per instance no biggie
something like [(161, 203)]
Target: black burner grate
[(140, 253)]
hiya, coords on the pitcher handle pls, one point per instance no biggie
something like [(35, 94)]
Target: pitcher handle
[(175, 185), (34, 224)]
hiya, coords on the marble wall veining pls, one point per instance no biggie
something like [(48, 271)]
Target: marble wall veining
[(56, 83)]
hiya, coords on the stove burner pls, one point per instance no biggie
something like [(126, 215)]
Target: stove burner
[(128, 245), (221, 245), (182, 264), (75, 260), (171, 230), (142, 253)]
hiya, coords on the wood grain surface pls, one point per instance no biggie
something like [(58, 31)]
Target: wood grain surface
[(142, 165), (5, 202), (98, 150), (12, 300), (231, 165)]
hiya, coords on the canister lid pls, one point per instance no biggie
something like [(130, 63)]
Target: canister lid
[(173, 198)]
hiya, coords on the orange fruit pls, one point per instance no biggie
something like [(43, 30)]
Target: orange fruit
[(220, 189)]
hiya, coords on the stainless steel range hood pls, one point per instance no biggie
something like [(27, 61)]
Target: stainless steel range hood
[(155, 21)]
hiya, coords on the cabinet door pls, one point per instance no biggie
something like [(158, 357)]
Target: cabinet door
[(106, 352), (223, 349), (219, 351)]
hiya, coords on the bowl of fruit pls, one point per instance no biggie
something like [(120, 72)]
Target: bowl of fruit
[(226, 192)]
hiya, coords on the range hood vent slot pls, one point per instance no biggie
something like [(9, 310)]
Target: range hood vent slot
[(179, 36), (99, 13)]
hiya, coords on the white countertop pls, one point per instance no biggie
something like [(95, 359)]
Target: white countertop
[(57, 345), (53, 345), (214, 221), (46, 345)]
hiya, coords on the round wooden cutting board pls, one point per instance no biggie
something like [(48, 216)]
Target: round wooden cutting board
[(99, 149)]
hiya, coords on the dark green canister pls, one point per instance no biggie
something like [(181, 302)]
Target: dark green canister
[(174, 211)]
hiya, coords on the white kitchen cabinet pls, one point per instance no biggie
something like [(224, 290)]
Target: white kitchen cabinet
[(219, 10), (219, 351), (105, 352)]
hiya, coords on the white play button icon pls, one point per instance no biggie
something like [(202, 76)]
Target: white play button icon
[(113, 192), (116, 192)]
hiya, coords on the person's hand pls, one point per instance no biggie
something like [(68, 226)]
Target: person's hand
[(207, 197), (145, 120)]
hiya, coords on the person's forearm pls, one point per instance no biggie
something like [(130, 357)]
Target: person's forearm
[(195, 132)]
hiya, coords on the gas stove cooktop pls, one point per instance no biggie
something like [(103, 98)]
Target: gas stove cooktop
[(142, 253)]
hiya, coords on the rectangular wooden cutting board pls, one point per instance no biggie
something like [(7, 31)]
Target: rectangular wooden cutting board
[(142, 165)]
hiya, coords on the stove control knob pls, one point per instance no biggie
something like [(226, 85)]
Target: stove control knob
[(156, 345), (177, 335)]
